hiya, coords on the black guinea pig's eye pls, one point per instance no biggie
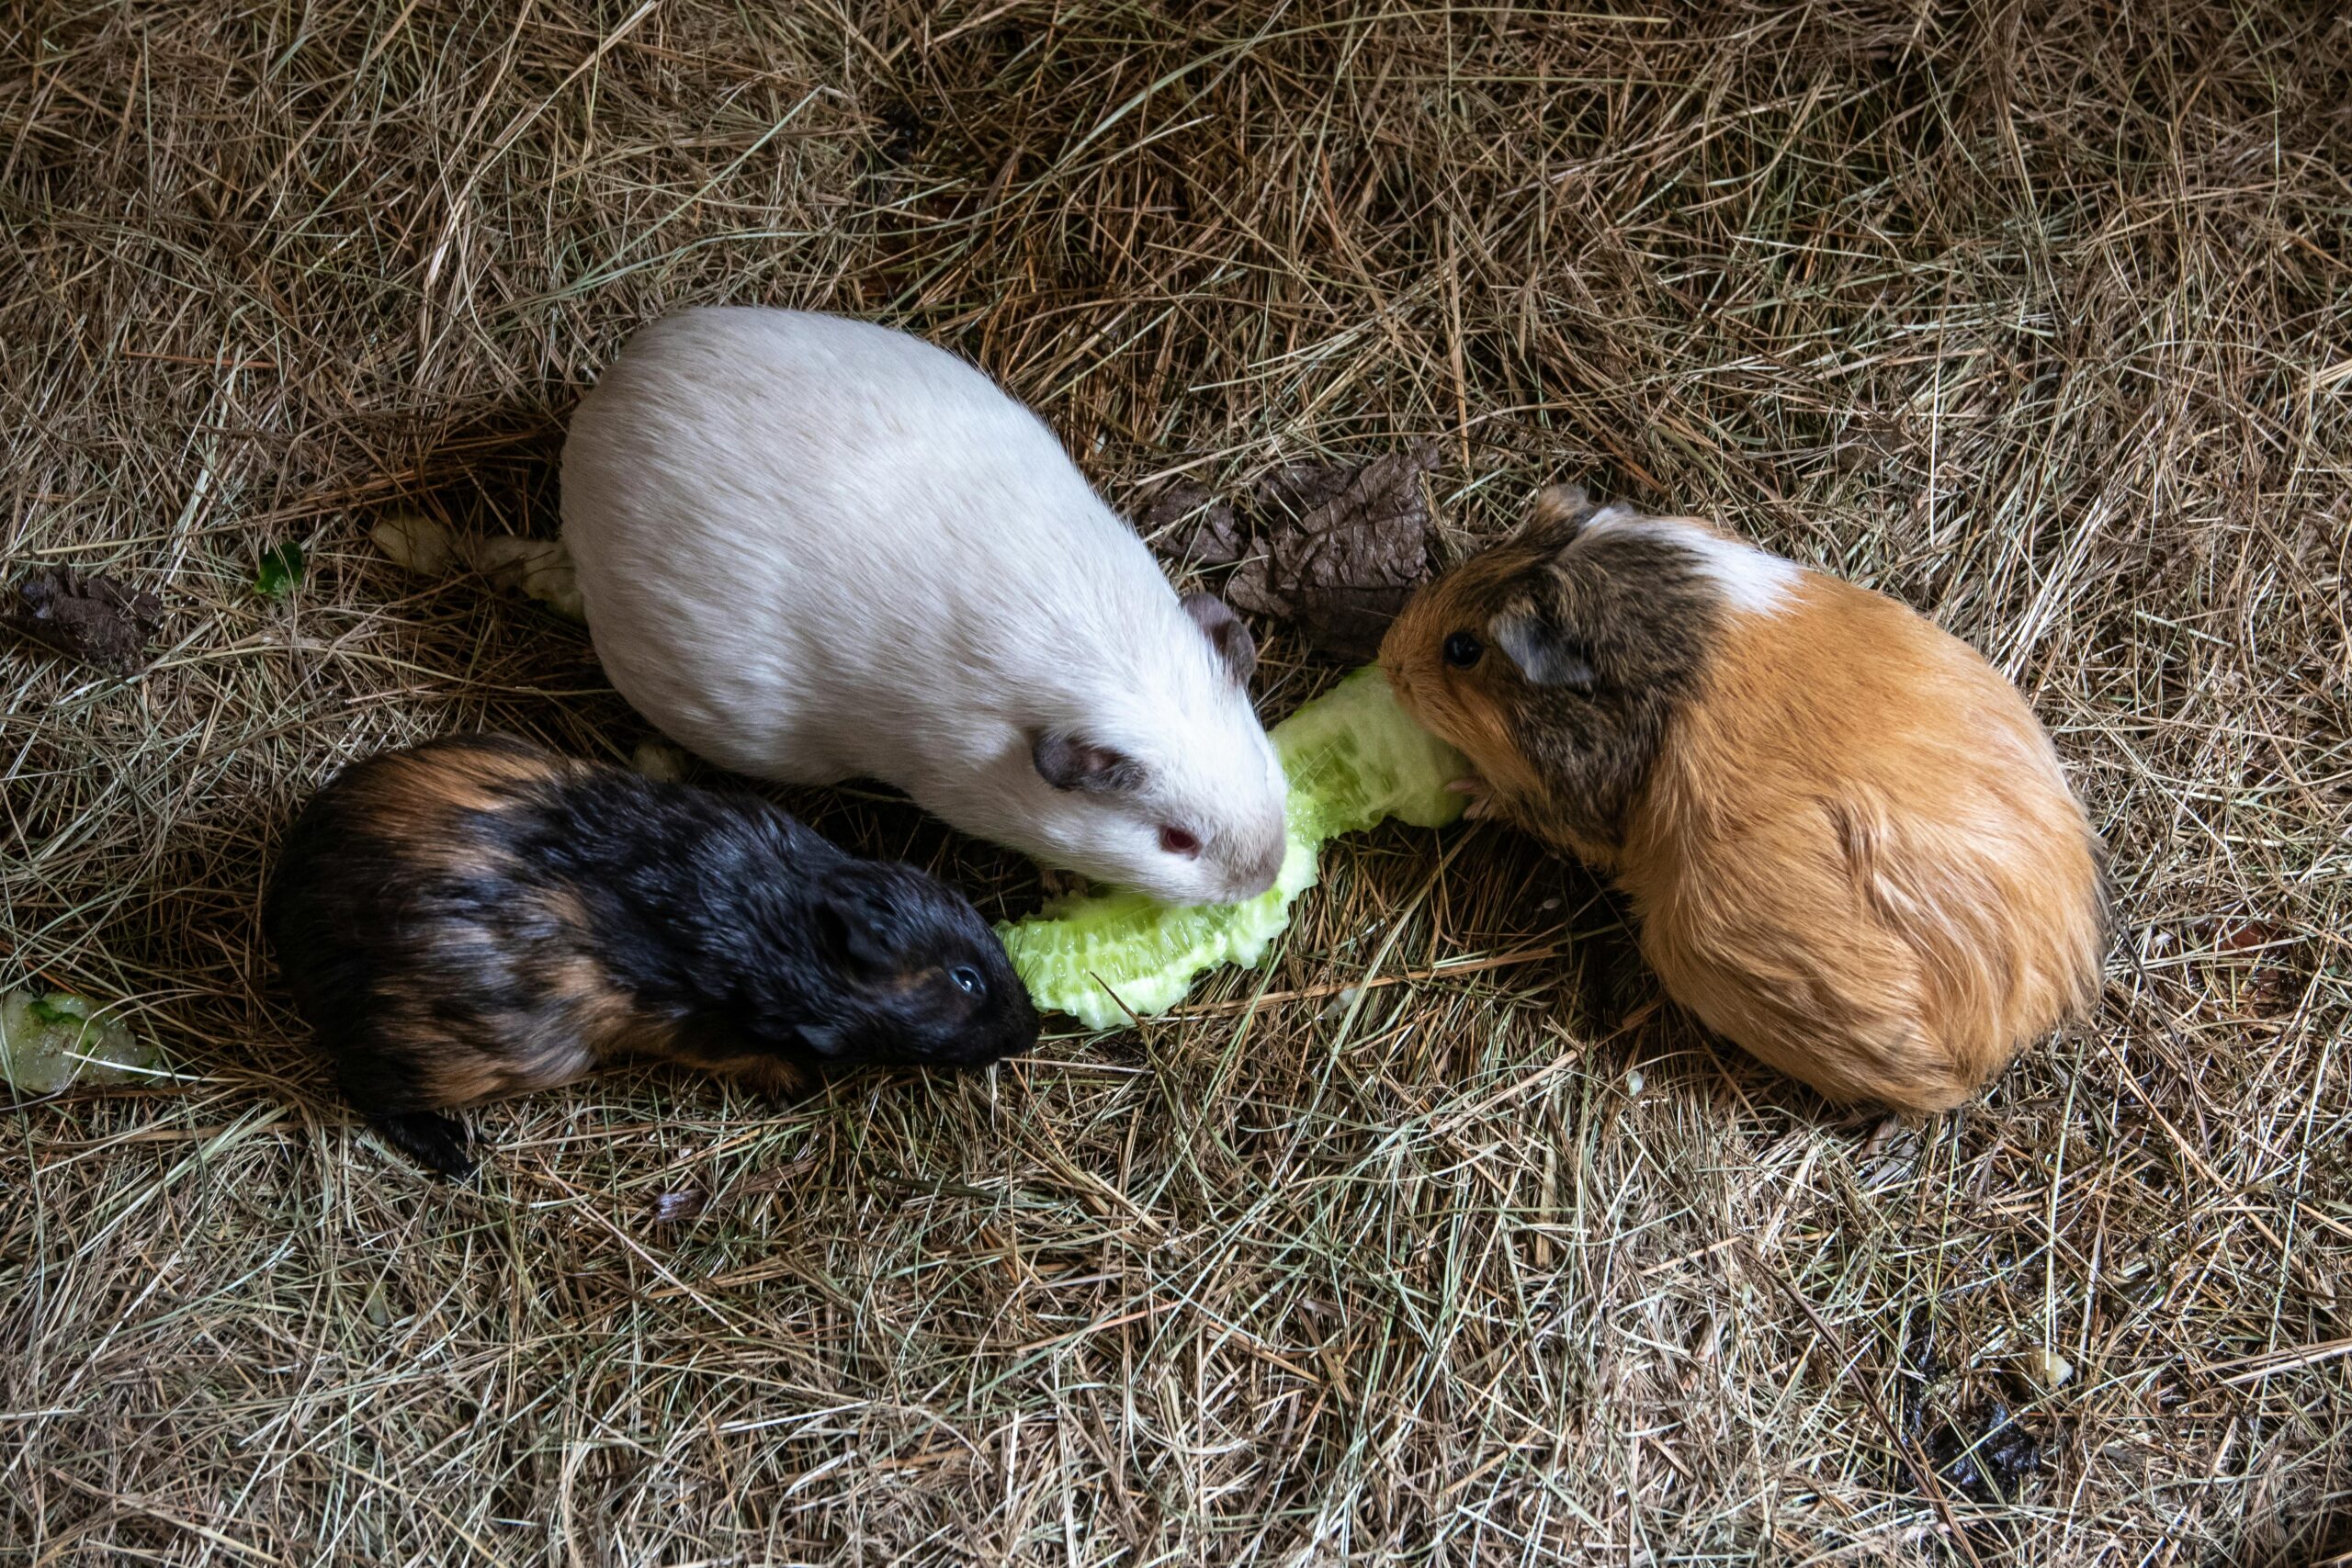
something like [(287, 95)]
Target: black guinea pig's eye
[(1463, 649), (967, 980)]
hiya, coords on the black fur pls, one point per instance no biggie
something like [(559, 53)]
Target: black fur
[(436, 1142), (480, 912)]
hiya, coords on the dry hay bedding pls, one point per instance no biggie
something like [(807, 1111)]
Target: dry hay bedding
[(2035, 316)]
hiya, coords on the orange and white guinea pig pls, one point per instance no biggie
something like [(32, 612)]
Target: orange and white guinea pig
[(1847, 840)]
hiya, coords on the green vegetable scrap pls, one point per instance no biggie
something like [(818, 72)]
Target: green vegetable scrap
[(422, 545), (50, 1040), (280, 569), (537, 569), (1354, 760)]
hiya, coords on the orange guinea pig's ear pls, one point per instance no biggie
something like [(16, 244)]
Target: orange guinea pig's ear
[(1558, 513), (1543, 655)]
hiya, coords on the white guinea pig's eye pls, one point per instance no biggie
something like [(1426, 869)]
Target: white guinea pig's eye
[(1177, 841)]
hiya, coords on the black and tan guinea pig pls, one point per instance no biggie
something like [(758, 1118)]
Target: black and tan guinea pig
[(1847, 840), (476, 916)]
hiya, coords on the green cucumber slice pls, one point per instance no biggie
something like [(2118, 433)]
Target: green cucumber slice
[(1352, 759)]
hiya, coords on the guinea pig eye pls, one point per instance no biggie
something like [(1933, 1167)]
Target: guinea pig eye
[(1177, 841), (967, 980), (1463, 649)]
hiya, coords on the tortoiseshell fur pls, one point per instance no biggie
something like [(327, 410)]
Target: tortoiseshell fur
[(476, 917), (1850, 845)]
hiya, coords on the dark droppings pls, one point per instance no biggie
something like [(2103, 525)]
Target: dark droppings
[(1985, 1454), (1982, 1453), (900, 130), (93, 619)]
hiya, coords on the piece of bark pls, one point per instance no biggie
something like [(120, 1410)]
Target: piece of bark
[(1189, 525), (1342, 546), (93, 619)]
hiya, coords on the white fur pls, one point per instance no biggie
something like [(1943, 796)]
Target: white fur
[(1749, 579), (812, 549)]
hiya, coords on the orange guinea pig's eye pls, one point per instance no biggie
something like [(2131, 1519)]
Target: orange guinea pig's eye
[(1463, 649)]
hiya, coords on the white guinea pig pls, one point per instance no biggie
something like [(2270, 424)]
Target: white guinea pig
[(814, 549)]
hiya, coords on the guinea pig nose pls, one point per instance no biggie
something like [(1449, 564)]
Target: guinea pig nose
[(1266, 866)]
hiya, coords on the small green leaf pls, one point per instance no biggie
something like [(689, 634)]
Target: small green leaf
[(281, 568)]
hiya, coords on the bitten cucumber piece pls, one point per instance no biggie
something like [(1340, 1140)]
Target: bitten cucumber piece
[(48, 1040), (1352, 759)]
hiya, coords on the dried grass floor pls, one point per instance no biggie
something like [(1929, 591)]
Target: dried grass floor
[(2039, 317)]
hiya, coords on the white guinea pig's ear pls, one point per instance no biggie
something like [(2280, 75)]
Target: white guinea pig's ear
[(1544, 657), (1225, 633), (1071, 761)]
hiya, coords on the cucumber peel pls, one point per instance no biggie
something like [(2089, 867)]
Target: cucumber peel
[(1352, 759)]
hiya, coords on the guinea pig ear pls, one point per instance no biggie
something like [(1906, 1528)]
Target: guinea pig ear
[(1544, 656), (1225, 633), (823, 1039), (856, 925), (1069, 762), (1558, 513)]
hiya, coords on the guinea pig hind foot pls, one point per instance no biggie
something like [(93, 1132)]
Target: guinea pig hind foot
[(436, 1142)]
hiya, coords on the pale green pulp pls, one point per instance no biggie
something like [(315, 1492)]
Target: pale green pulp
[(1352, 759)]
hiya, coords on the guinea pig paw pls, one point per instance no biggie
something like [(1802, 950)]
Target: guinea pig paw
[(1482, 807), (771, 1081), (438, 1142), (1056, 884)]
